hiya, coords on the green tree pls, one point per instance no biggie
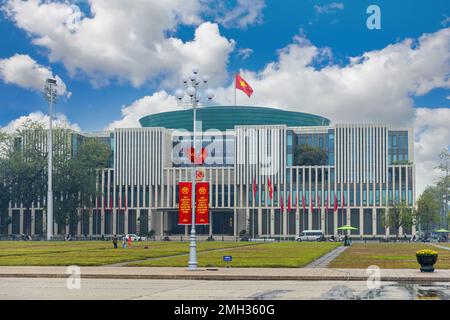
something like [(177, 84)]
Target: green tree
[(75, 181), (398, 215), (428, 206), (306, 155)]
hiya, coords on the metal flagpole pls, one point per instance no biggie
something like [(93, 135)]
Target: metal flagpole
[(235, 89)]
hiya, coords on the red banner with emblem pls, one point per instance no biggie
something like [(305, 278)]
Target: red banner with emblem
[(185, 203), (202, 203)]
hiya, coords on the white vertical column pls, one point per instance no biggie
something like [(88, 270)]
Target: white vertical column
[(91, 220), (80, 216), (361, 221), (21, 220), (374, 221), (272, 221), (33, 220)]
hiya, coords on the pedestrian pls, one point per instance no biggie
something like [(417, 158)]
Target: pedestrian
[(114, 240), (129, 241), (124, 241)]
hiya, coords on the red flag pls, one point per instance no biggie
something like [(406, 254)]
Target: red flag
[(281, 203), (303, 202), (270, 188), (243, 85), (343, 201), (254, 189), (311, 203), (289, 203), (335, 207)]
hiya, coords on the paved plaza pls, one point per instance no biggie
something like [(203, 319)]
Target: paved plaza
[(250, 274), (133, 289)]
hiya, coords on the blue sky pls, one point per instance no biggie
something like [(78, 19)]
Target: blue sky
[(344, 31)]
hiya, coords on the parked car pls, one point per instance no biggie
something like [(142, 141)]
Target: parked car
[(135, 237), (310, 235)]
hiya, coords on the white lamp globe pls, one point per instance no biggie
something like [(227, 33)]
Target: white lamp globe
[(195, 70), (205, 79), (179, 94), (190, 91), (193, 77), (209, 94)]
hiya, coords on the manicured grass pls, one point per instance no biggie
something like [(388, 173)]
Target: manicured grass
[(387, 256), (268, 255), (93, 253)]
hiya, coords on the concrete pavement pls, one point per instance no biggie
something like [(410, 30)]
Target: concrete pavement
[(143, 289), (261, 274)]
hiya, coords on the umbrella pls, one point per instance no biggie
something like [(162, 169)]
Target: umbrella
[(442, 231), (347, 227)]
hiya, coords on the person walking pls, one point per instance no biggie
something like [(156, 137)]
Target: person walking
[(114, 240), (124, 241), (129, 241)]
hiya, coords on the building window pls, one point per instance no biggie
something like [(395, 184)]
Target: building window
[(289, 159)]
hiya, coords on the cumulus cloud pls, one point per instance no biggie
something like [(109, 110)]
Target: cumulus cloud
[(23, 71), (59, 120), (158, 102), (432, 134), (123, 40)]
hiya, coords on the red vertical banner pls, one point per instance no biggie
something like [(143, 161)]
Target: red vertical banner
[(202, 203), (185, 203)]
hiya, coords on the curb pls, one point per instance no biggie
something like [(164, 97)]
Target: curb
[(229, 277)]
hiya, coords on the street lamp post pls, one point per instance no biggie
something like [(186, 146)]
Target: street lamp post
[(193, 85), (50, 96)]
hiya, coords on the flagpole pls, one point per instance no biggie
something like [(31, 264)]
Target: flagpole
[(235, 89)]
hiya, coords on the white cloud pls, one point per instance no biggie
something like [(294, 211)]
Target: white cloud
[(23, 71), (329, 8), (59, 120), (432, 134), (244, 13), (244, 53), (158, 102), (123, 40)]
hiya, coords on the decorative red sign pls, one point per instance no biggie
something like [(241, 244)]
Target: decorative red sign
[(197, 158), (185, 203), (202, 203)]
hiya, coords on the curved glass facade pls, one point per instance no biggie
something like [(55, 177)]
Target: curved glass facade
[(227, 117)]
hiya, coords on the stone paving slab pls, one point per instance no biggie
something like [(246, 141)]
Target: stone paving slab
[(313, 274), (325, 260)]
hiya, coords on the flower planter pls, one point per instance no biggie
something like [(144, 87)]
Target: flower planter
[(426, 262)]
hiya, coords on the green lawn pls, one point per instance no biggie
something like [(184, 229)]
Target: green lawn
[(93, 253), (387, 256), (268, 255)]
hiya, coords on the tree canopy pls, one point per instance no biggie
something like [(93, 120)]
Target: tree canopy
[(306, 155)]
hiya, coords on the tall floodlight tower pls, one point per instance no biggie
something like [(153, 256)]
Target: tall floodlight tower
[(50, 96)]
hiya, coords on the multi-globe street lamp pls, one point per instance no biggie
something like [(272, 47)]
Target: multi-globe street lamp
[(50, 96), (195, 89)]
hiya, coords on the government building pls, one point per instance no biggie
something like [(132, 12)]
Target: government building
[(364, 168)]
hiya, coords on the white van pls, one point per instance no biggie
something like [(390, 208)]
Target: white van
[(310, 235)]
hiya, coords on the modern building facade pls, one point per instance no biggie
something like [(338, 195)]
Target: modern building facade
[(366, 168)]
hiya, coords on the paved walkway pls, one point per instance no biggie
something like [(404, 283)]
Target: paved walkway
[(439, 246), (325, 260), (315, 274)]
